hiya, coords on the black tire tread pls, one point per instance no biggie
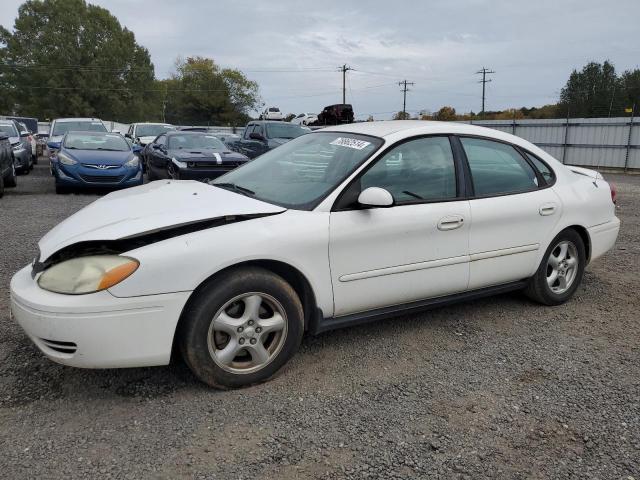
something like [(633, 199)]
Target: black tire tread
[(218, 290), (537, 288)]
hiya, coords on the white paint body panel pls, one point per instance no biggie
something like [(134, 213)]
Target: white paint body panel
[(387, 256), (146, 208), (354, 261), (506, 234)]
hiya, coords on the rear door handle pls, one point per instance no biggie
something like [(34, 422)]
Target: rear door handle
[(450, 222), (547, 209)]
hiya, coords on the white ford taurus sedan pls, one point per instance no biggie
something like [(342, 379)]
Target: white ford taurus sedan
[(335, 228)]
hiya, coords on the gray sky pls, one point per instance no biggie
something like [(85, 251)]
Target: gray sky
[(293, 48)]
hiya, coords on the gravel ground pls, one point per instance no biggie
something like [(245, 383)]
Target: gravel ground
[(498, 388)]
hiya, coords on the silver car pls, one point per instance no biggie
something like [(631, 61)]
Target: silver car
[(20, 145)]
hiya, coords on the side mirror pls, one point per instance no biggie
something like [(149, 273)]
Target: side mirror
[(156, 146), (375, 197), (54, 145), (128, 135), (257, 136)]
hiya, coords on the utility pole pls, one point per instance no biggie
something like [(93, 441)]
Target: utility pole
[(484, 81), (404, 84), (344, 69)]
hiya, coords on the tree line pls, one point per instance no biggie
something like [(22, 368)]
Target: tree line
[(71, 58)]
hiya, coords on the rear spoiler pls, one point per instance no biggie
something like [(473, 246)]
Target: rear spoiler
[(586, 172)]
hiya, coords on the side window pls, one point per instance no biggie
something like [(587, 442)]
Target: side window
[(421, 169), (542, 167), (161, 140), (248, 131), (497, 168), (258, 129)]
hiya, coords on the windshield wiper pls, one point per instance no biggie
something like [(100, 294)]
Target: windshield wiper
[(234, 187), (110, 149)]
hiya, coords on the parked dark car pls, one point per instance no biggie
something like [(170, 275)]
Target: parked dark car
[(95, 160), (7, 167), (264, 135), (30, 122), (336, 114), (20, 144), (190, 156)]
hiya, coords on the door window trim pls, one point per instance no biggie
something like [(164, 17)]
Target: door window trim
[(457, 166), (542, 183)]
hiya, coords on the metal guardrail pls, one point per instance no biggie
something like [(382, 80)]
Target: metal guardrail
[(578, 140)]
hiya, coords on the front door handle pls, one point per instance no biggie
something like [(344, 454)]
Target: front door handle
[(547, 209), (450, 222)]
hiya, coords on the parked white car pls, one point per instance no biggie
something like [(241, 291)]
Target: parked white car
[(271, 113), (335, 228), (305, 119)]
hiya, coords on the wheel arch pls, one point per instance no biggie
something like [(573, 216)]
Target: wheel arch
[(289, 273), (586, 239)]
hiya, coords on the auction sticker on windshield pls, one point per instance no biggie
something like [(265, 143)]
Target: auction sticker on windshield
[(350, 143)]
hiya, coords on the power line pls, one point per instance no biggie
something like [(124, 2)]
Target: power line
[(484, 81), (404, 84)]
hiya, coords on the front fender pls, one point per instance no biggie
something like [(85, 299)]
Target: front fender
[(182, 263)]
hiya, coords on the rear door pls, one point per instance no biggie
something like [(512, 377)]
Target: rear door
[(513, 211), (414, 250)]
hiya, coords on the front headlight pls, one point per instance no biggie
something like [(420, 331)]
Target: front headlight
[(87, 274), (134, 162), (66, 159)]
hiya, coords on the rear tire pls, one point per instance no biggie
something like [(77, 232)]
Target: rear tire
[(12, 180), (241, 328), (561, 269)]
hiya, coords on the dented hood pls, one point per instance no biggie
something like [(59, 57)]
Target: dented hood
[(149, 208)]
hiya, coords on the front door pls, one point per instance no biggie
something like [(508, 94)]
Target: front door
[(416, 249)]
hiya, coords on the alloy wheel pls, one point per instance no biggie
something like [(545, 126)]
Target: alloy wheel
[(247, 333), (562, 267)]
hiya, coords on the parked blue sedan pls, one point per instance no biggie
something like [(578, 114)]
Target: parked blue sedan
[(95, 160)]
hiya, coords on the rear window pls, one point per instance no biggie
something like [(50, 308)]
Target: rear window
[(9, 129), (497, 168), (542, 167), (95, 141), (60, 128), (274, 109)]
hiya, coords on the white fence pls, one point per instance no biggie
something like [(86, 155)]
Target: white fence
[(591, 142)]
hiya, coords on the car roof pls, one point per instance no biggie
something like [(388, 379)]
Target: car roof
[(414, 127), (153, 123), (79, 119), (91, 132), (279, 122), (172, 133)]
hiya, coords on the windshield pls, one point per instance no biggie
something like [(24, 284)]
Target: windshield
[(284, 130), (151, 130), (195, 141), (60, 128), (96, 141), (9, 130), (302, 172)]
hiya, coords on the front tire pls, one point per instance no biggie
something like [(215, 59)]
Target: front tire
[(241, 328), (561, 270)]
